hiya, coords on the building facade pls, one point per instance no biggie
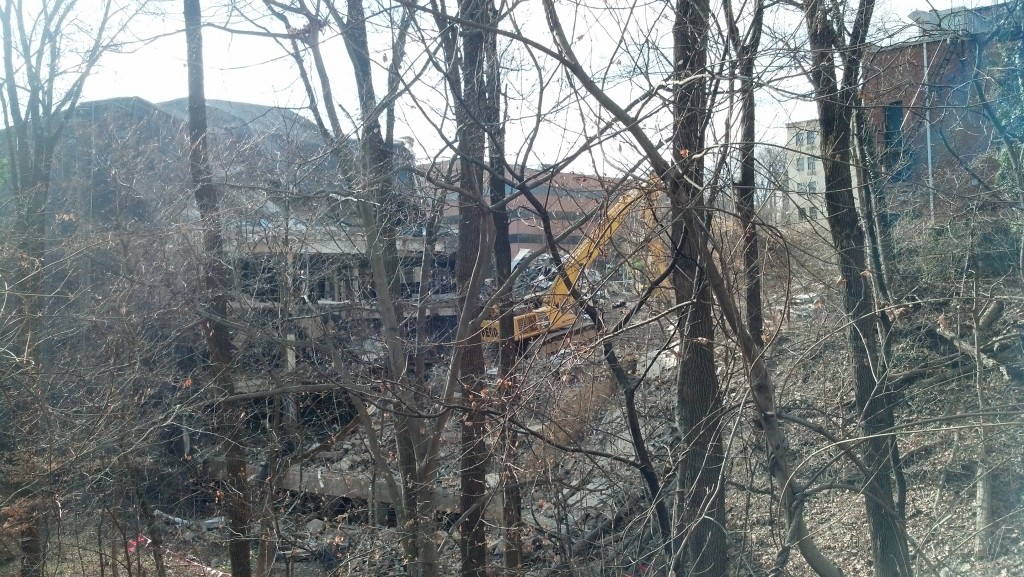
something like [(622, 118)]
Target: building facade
[(565, 197), (929, 102), (805, 177)]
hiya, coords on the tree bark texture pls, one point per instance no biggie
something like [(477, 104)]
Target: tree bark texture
[(835, 100), (984, 485), (30, 154), (216, 278), (472, 212), (473, 542), (746, 187), (381, 213), (874, 212), (762, 388), (700, 539), (512, 514)]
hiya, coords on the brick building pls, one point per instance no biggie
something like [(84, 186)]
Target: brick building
[(566, 197), (929, 131)]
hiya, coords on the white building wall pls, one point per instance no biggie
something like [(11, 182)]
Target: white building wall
[(806, 190)]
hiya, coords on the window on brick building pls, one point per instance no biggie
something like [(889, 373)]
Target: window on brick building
[(810, 138), (895, 156), (894, 125), (800, 163)]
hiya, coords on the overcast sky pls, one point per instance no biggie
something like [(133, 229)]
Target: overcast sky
[(252, 69)]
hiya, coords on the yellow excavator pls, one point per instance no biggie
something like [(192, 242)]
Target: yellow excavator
[(555, 314)]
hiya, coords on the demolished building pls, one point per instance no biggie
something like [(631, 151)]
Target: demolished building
[(124, 243)]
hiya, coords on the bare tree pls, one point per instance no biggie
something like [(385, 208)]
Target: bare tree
[(381, 211), (217, 280), (747, 48), (618, 465), (835, 74), (474, 252), (689, 231), (43, 79)]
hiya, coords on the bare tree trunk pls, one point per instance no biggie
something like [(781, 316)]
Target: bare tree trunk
[(217, 279), (983, 502), (762, 388), (874, 401), (700, 494), (31, 151), (473, 542), (512, 514), (746, 187), (512, 501), (379, 213), (1014, 155), (983, 485), (469, 84), (874, 211)]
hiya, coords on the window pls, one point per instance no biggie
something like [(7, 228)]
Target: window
[(894, 125), (801, 189), (799, 138), (800, 163), (895, 158), (803, 213), (811, 136), (814, 213), (526, 239), (812, 166), (812, 187)]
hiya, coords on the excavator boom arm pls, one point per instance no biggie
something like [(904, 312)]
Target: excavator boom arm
[(587, 251), (556, 314)]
